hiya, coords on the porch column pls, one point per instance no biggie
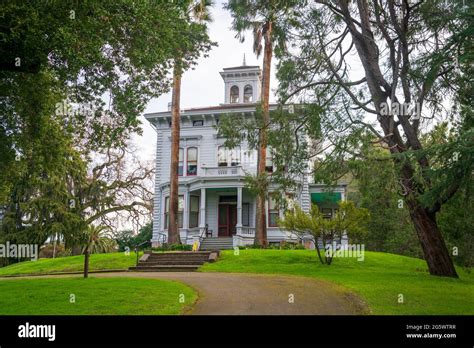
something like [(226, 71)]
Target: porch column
[(202, 211), (239, 210), (186, 210)]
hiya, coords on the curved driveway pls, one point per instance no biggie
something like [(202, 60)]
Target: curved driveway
[(235, 293)]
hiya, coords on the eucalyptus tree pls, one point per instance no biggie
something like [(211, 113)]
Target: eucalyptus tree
[(196, 14), (268, 20), (392, 68)]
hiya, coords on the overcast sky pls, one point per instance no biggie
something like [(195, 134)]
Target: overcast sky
[(203, 86)]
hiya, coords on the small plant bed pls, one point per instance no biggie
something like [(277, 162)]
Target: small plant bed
[(174, 247)]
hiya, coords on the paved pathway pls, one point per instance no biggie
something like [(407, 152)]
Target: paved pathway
[(234, 293)]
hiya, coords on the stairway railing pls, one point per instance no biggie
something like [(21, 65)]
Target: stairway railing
[(136, 249)]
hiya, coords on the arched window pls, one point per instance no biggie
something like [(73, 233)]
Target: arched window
[(234, 94), (181, 161), (248, 94), (192, 161)]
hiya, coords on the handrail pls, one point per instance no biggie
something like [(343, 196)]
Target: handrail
[(161, 236), (136, 249), (204, 231)]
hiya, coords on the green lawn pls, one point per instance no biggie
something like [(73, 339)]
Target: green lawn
[(71, 264), (379, 279), (94, 296)]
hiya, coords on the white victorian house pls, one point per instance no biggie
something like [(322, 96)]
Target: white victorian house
[(213, 201)]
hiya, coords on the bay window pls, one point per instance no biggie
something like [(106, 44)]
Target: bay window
[(273, 212), (180, 211), (194, 211), (290, 202)]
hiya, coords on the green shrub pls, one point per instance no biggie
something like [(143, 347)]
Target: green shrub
[(174, 247), (251, 246), (281, 245), (286, 246), (292, 246), (48, 251)]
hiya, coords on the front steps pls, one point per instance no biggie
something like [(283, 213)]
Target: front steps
[(224, 243), (180, 261)]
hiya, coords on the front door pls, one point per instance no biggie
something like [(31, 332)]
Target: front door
[(227, 219)]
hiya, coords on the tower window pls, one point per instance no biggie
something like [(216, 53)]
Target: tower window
[(248, 94), (234, 94)]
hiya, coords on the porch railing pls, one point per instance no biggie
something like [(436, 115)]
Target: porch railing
[(246, 231), (222, 171)]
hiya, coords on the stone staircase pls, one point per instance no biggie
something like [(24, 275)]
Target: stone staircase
[(217, 243), (180, 261)]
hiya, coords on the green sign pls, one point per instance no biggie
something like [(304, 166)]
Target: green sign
[(325, 197)]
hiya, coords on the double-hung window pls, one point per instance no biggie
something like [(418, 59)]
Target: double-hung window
[(228, 157), (192, 159), (269, 161), (181, 161), (180, 211), (194, 211), (273, 211), (188, 168)]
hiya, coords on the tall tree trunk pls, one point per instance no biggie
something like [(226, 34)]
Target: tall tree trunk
[(432, 243), (261, 224), (86, 263), (434, 248), (173, 229)]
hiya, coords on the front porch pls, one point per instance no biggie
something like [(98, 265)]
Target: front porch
[(225, 209), (217, 212)]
